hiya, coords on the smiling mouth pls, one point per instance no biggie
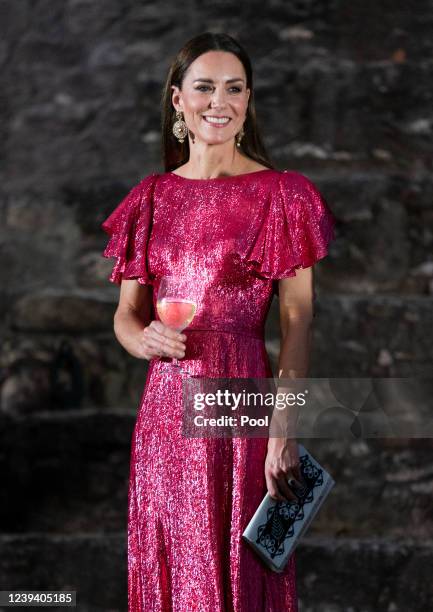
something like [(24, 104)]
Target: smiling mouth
[(225, 122)]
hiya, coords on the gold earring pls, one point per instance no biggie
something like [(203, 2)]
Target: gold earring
[(239, 136), (180, 129)]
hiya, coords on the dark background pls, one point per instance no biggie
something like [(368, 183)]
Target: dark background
[(343, 94)]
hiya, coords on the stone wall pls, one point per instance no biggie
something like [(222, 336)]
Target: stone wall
[(343, 94), (81, 125)]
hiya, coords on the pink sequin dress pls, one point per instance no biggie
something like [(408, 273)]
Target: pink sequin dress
[(190, 499)]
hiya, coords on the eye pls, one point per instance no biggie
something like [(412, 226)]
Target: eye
[(200, 88)]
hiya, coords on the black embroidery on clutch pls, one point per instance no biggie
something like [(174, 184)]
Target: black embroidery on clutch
[(281, 517)]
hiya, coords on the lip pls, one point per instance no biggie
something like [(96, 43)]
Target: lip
[(217, 125)]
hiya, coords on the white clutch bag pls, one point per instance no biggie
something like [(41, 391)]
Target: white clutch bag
[(277, 527)]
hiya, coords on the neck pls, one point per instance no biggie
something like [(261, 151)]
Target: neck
[(211, 161)]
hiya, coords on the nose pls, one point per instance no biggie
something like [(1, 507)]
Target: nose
[(218, 98)]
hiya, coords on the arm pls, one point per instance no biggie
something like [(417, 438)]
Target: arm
[(136, 332), (296, 326), (132, 315), (296, 318)]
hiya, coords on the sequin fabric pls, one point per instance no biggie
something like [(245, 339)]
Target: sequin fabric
[(190, 499)]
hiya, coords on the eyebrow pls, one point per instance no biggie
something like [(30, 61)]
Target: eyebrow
[(211, 80)]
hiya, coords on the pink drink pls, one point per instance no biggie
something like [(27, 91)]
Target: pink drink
[(175, 312)]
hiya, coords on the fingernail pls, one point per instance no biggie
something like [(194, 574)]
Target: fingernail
[(295, 485)]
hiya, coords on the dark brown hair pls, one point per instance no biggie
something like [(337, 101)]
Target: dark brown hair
[(175, 153)]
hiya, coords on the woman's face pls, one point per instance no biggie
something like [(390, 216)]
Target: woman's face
[(214, 86)]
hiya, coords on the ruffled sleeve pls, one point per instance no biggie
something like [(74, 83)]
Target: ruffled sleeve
[(129, 227), (297, 228)]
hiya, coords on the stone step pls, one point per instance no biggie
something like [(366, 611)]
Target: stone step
[(74, 467), (93, 564), (373, 574), (333, 574), (76, 361), (362, 336)]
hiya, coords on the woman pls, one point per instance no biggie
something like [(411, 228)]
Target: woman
[(221, 211)]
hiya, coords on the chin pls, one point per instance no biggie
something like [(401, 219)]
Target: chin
[(221, 140)]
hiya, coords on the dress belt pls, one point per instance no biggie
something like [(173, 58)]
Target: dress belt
[(250, 333)]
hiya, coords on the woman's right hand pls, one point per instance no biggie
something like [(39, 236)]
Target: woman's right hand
[(158, 340)]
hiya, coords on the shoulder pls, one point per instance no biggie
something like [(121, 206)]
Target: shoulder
[(137, 188), (143, 189), (147, 180), (288, 176), (299, 196), (138, 195), (293, 177), (294, 183)]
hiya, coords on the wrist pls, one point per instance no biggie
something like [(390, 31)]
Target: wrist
[(278, 443)]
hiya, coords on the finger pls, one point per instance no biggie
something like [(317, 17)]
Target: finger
[(169, 348), (285, 490), (297, 475), (273, 489), (166, 349), (168, 340), (164, 330), (164, 341), (154, 347)]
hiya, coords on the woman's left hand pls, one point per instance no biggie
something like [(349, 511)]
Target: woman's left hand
[(282, 462)]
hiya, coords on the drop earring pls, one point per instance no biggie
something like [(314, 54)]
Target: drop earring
[(180, 129), (239, 136)]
